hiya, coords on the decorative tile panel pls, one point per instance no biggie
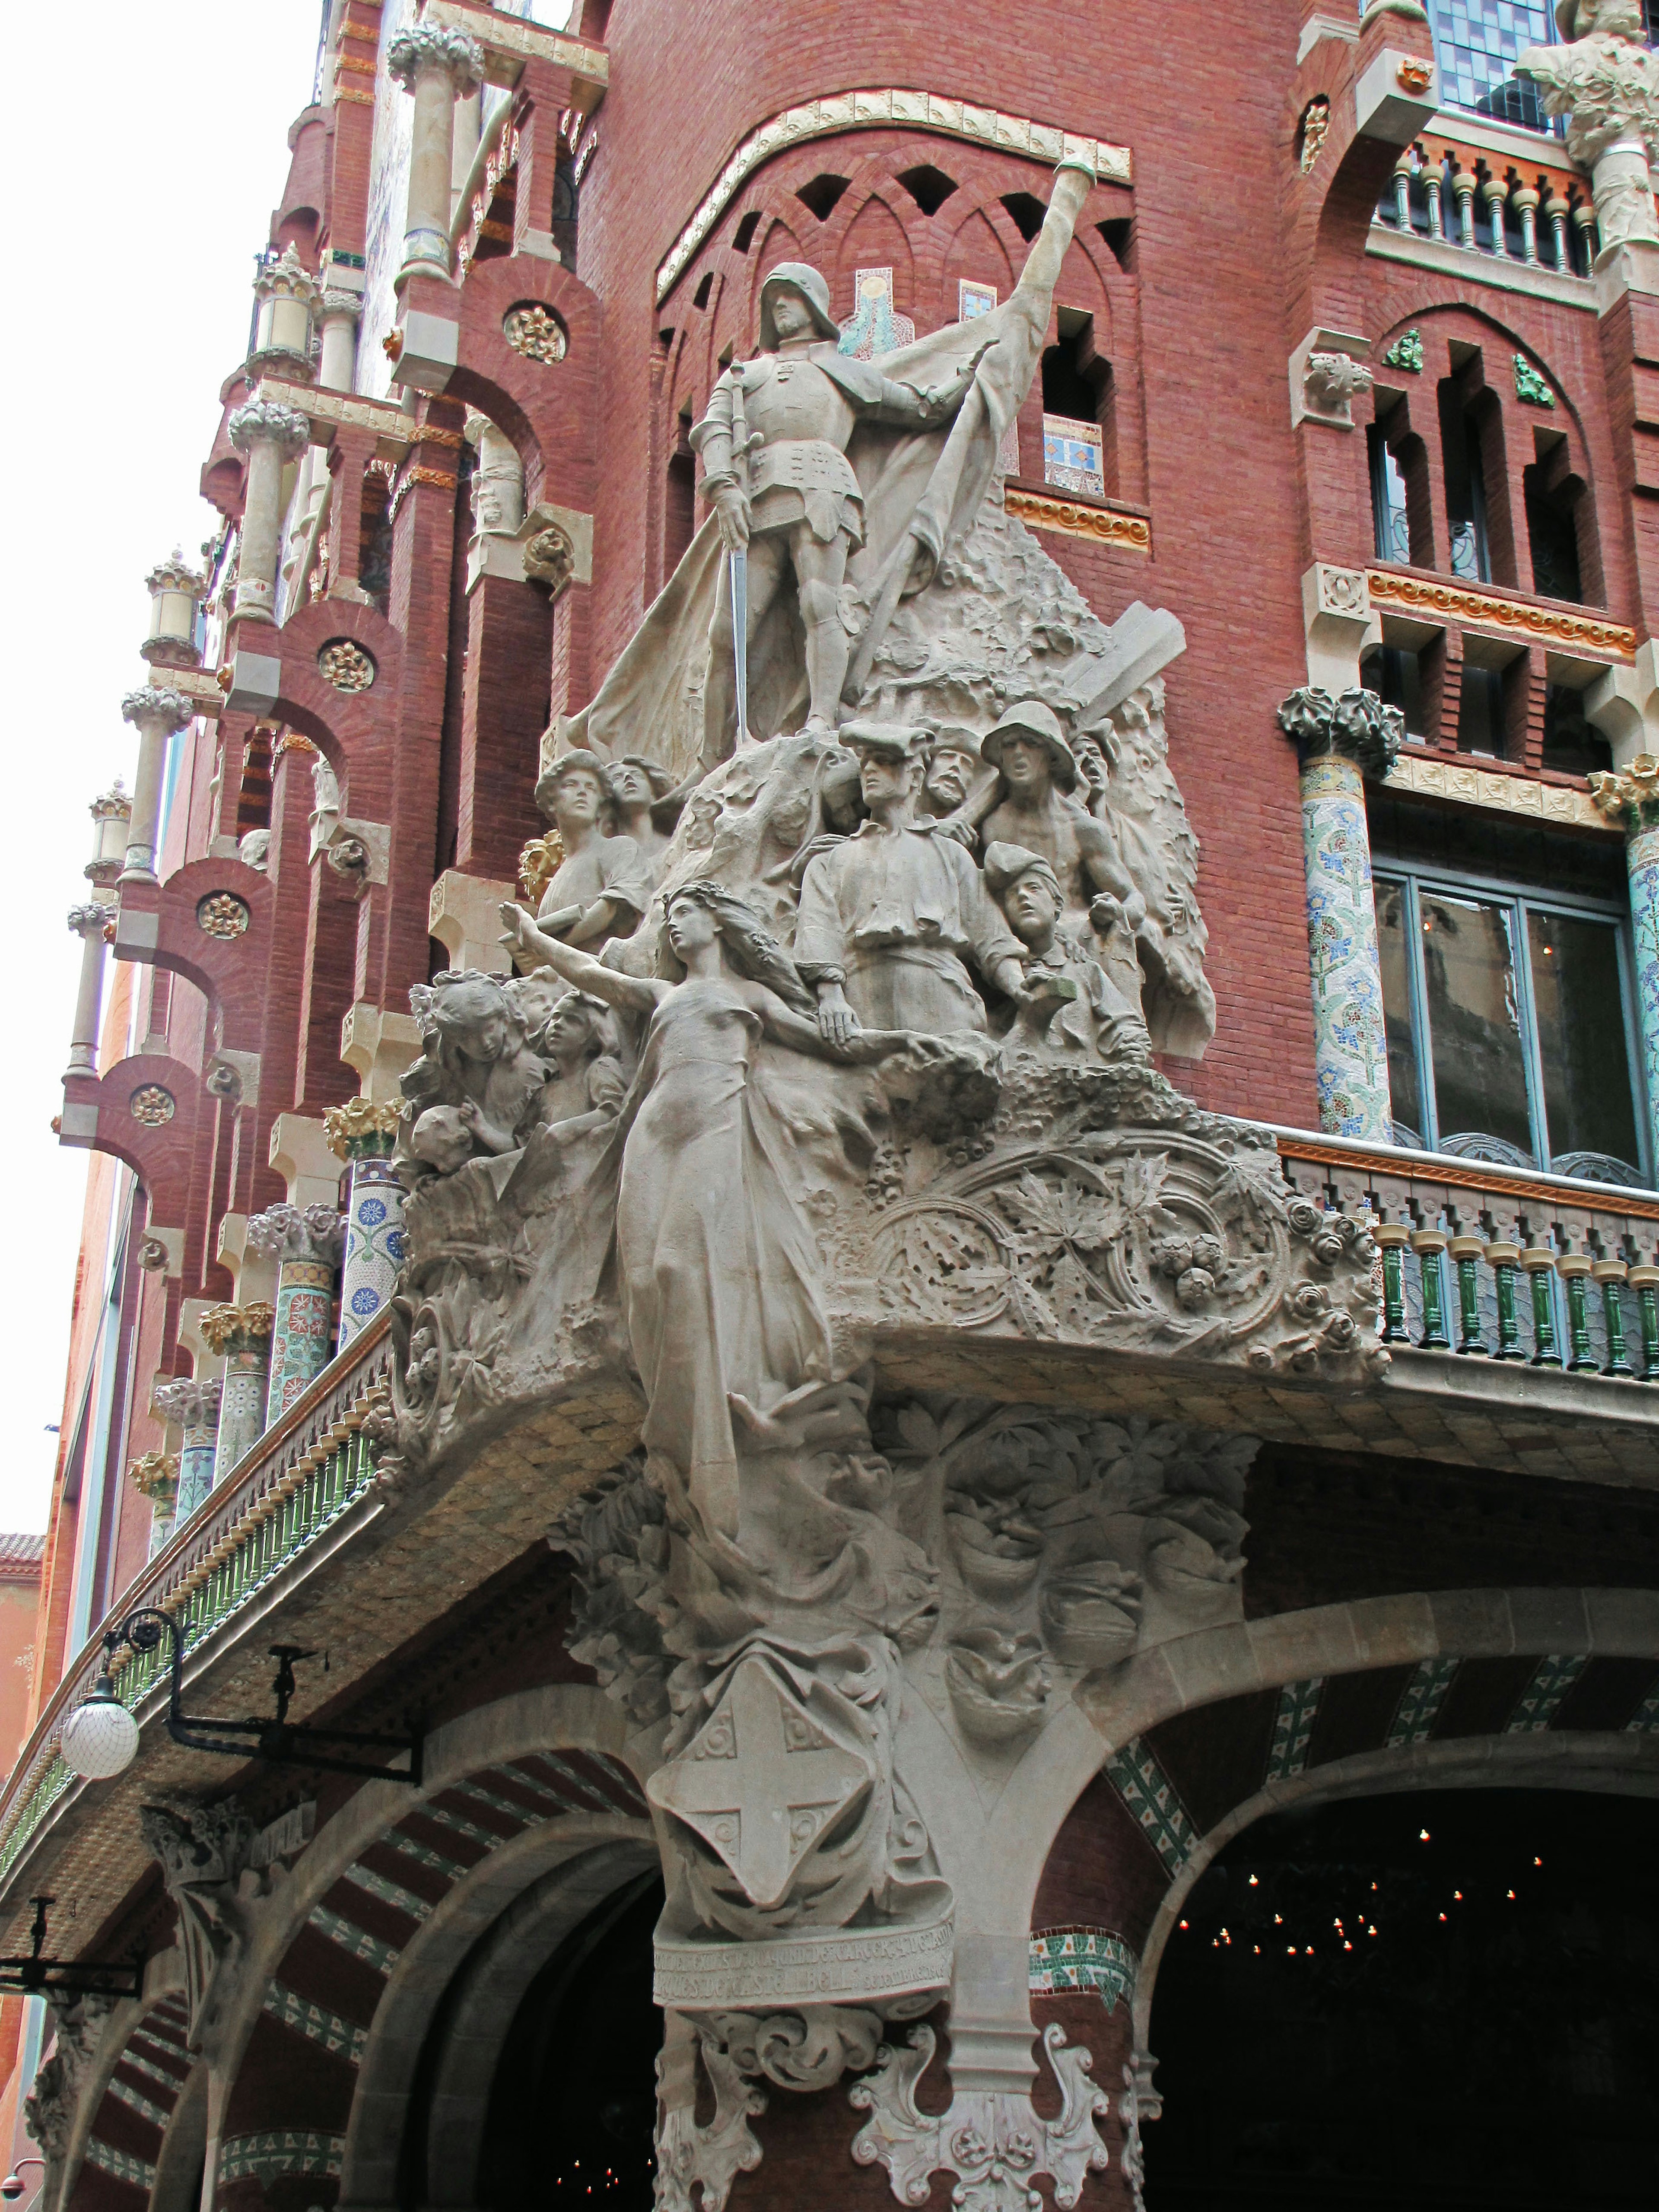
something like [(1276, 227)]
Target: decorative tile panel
[(342, 2038), (1539, 1703), (1154, 1802), (1420, 1701), (1298, 1704), (1093, 1959)]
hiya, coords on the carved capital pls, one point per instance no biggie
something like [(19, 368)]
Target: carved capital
[(424, 47), (187, 1402), (270, 420), (335, 305), (1355, 724), (295, 1232), (359, 1130), (90, 921), (156, 1476), (49, 2111), (1629, 796), (203, 1856), (156, 706), (237, 1328)]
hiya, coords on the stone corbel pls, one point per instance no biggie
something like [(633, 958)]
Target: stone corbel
[(205, 1866), (1327, 370), (1341, 624), (301, 1155), (553, 545), (1623, 704), (462, 915), (1396, 97), (380, 1045), (234, 1077)]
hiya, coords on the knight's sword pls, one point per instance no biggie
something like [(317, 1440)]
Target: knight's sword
[(739, 560)]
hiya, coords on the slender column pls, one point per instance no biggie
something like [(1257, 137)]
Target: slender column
[(1341, 741), (1434, 185), (192, 1406), (1429, 1244), (156, 1476), (1526, 200), (1503, 1259), (284, 293), (242, 1335), (437, 67), (1573, 1268), (1496, 191), (1607, 85), (1392, 1238), (1539, 1261), (341, 313), (156, 712), (175, 592), (363, 1135), (88, 923), (1556, 211), (268, 434), (1466, 1253), (1644, 1281), (1611, 1275), (1630, 797), (304, 1242), (1462, 184), (1584, 222), (1403, 172)]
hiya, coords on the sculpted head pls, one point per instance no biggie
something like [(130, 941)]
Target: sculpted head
[(1029, 749), (699, 914), (952, 764), (442, 1138), (473, 1015), (634, 783), (573, 791), (889, 756), (574, 1031), (794, 303), (1028, 890)]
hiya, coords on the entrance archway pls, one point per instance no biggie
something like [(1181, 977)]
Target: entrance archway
[(1440, 1998)]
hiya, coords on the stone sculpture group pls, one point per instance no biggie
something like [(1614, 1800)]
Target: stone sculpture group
[(860, 924)]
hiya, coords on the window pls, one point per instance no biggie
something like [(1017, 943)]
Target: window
[(1571, 745), (1480, 711), (1390, 519), (1477, 43), (1510, 1024), (1078, 448), (1466, 486), (1396, 673)]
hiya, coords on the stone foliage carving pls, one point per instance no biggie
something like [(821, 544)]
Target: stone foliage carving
[(283, 426), (153, 1105), (1331, 382), (157, 705), (996, 2146), (345, 666), (188, 1403), (204, 1858), (535, 332), (222, 914), (49, 2110), (293, 1232), (419, 47), (1356, 725)]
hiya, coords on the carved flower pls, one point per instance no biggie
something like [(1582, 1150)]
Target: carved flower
[(1305, 716), (535, 332), (222, 914), (343, 664), (152, 1105)]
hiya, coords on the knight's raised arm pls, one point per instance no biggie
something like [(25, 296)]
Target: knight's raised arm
[(1074, 179)]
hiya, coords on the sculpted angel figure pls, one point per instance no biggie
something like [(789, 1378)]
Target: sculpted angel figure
[(718, 1270)]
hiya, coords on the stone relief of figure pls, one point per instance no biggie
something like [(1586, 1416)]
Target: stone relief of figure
[(890, 917), (602, 884), (1035, 809), (1100, 1013), (638, 791), (954, 772), (477, 1087)]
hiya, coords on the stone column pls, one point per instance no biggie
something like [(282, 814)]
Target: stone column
[(1340, 741), (437, 67), (1607, 85), (88, 922), (305, 1243), (284, 293), (193, 1407), (268, 434), (156, 1476), (156, 712), (242, 1335), (363, 1135), (175, 592), (341, 313), (1630, 797)]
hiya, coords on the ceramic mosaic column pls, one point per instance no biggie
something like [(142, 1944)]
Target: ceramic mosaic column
[(363, 1135), (156, 1476), (242, 1334), (304, 1242), (1631, 798), (192, 1406), (1341, 741)]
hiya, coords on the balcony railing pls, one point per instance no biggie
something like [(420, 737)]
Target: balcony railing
[(1533, 212), (298, 1485)]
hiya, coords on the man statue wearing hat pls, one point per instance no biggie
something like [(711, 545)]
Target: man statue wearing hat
[(1037, 771), (954, 773), (1100, 1013), (602, 884), (774, 447), (890, 917)]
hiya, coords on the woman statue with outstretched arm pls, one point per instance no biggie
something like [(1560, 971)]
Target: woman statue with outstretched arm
[(719, 1268)]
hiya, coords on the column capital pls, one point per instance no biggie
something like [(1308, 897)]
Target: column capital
[(359, 1130), (335, 304), (157, 706), (298, 1232), (156, 1476), (1629, 797), (175, 574), (421, 47), (1354, 724), (90, 921), (188, 1402), (237, 1328), (269, 421)]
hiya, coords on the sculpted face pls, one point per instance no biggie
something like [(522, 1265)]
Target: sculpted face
[(630, 786), (569, 1031), (1025, 766), (690, 927), (578, 799), (790, 317), (950, 772), (882, 777), (1031, 908)]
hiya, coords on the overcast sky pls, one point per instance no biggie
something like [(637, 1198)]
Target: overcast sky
[(137, 212)]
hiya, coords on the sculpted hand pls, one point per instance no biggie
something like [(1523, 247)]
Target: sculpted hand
[(837, 1023), (732, 512)]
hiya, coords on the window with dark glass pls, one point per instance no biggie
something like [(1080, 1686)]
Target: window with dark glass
[(1572, 745), (1510, 1024), (1395, 672), (1390, 519), (1466, 487)]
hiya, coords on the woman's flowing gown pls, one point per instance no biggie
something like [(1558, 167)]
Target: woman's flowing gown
[(718, 1263)]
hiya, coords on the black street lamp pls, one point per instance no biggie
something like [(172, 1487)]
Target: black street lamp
[(36, 1976)]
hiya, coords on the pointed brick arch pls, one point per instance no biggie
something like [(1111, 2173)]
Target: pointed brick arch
[(118, 2168)]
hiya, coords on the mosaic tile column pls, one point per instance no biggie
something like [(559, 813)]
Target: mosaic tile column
[(304, 1242), (1341, 741), (192, 1406), (363, 1135), (242, 1335), (1631, 798), (156, 1476)]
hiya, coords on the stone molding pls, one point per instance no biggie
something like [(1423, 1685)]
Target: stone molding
[(881, 109), (1456, 778), (1445, 259), (1541, 625), (1076, 518)]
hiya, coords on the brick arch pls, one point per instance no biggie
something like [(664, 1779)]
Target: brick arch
[(547, 409), (284, 2132), (351, 729), (131, 2120)]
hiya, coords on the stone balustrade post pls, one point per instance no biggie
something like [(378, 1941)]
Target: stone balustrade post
[(1434, 185), (304, 1242), (1527, 201), (1495, 190), (192, 1406), (242, 1335), (1463, 188), (1606, 87), (1630, 797), (1340, 740), (270, 433), (156, 712), (1556, 212), (175, 594), (363, 1135), (437, 67)]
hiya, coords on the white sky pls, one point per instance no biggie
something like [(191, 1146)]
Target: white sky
[(136, 212)]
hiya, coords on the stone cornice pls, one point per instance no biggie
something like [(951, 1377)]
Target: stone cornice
[(884, 108), (1539, 624)]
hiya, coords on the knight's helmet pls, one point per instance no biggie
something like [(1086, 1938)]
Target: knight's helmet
[(796, 276)]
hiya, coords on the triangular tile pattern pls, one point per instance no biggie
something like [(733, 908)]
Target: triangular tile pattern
[(138, 2103)]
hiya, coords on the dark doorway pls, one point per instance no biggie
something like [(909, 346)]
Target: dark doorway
[(1447, 1999), (574, 2107)]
